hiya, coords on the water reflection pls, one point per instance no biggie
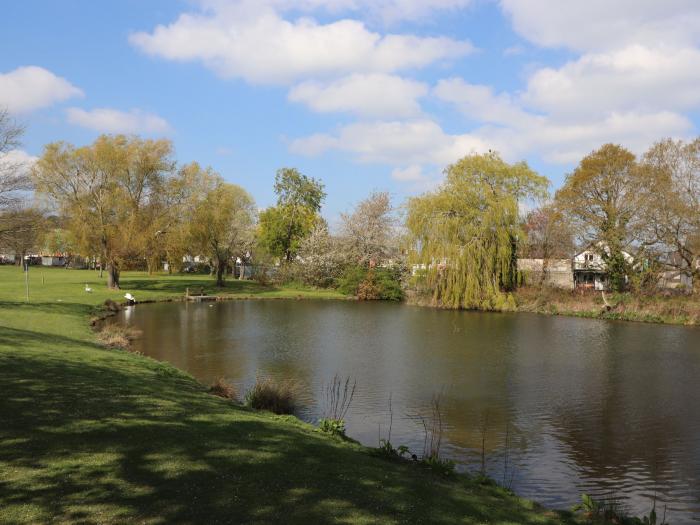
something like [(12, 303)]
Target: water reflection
[(588, 406)]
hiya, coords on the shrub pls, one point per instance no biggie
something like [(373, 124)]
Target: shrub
[(334, 427), (277, 397), (372, 284), (116, 336), (223, 389), (350, 281)]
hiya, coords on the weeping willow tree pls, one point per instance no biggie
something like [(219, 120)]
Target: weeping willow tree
[(463, 236)]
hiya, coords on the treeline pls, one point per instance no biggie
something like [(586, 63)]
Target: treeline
[(125, 202)]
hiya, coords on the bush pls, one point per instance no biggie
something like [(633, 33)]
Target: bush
[(279, 398), (223, 389), (350, 281), (372, 284)]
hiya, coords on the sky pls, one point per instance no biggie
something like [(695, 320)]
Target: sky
[(363, 94)]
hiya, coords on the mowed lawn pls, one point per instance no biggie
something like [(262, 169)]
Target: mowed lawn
[(90, 435)]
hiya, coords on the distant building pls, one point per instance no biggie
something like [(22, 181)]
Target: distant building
[(591, 271), (53, 260), (557, 273)]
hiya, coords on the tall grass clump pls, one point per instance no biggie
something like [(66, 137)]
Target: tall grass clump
[(277, 397), (224, 389), (116, 336)]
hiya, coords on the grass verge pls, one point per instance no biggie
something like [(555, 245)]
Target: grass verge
[(92, 435)]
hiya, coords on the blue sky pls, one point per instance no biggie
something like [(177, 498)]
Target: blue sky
[(363, 94)]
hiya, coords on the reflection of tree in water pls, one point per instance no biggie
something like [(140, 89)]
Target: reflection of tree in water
[(630, 425)]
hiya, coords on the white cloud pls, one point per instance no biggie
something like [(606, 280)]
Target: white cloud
[(635, 78), (252, 41), (29, 88), (372, 95), (557, 137), (596, 25), (107, 120), (398, 143), (412, 173), (479, 103)]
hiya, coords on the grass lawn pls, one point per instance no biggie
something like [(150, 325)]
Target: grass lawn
[(89, 435)]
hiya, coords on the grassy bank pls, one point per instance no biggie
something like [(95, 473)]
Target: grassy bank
[(672, 309), (92, 435)]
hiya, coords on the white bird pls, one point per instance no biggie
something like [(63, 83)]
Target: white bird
[(129, 297), (87, 288)]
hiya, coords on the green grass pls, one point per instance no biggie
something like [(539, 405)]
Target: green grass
[(89, 435)]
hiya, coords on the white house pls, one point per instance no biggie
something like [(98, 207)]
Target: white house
[(590, 270)]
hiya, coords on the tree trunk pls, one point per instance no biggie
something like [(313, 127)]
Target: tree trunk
[(220, 271), (241, 275), (113, 276)]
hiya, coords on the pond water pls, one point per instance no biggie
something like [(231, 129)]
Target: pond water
[(559, 406)]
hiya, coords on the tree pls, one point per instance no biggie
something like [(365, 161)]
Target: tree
[(548, 234), (116, 194), (602, 199), (222, 224), (284, 226), (369, 230), (21, 230), (672, 203), (324, 257), (464, 234), (14, 175)]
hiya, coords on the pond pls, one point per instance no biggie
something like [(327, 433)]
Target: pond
[(558, 406)]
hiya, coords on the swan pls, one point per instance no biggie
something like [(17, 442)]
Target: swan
[(87, 288), (129, 297)]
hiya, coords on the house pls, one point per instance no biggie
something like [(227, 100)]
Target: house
[(590, 270), (557, 273), (53, 260)]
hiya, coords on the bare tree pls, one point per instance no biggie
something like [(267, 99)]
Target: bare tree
[(672, 203), (14, 175)]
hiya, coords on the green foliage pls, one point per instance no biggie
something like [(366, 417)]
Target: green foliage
[(465, 233), (334, 427), (372, 284), (443, 466), (283, 227), (350, 281), (387, 449)]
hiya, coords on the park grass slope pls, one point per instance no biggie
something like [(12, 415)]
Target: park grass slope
[(90, 435)]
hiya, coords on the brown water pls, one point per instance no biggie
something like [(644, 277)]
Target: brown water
[(605, 408)]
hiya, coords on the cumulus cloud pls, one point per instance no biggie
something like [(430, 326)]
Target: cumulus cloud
[(369, 95), (598, 25), (412, 173), (398, 143), (634, 78), (29, 88), (252, 41), (107, 120), (558, 137)]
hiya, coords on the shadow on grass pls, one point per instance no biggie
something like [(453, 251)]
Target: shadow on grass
[(90, 435), (53, 307)]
